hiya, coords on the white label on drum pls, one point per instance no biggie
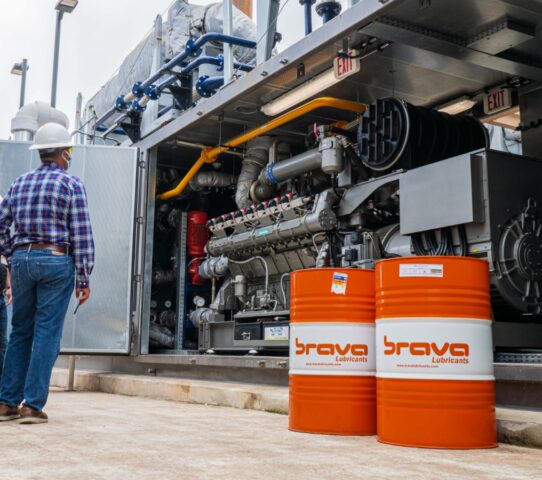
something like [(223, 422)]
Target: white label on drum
[(434, 348), (421, 270), (276, 333), (339, 283), (332, 349)]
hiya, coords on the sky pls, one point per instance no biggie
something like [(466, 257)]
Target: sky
[(96, 38)]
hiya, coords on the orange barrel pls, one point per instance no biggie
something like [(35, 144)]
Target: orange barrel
[(435, 383), (332, 352)]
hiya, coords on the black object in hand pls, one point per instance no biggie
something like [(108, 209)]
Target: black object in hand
[(3, 277)]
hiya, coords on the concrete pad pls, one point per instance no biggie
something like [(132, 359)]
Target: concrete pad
[(226, 394), (520, 427), (99, 436)]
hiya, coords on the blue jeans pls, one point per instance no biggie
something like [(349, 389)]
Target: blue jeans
[(3, 331), (41, 284)]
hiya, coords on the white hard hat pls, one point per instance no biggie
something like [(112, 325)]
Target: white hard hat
[(52, 135)]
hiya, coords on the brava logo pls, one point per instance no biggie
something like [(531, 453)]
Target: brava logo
[(426, 348), (357, 349)]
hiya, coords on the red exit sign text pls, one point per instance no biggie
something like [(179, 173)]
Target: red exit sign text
[(497, 100)]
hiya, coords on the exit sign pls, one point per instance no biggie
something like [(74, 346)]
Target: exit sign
[(497, 101), (344, 67)]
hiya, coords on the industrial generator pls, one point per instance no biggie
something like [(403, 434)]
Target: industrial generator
[(218, 163), (395, 180)]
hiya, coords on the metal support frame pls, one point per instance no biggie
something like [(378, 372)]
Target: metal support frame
[(361, 14), (181, 281), (227, 28), (266, 24), (151, 113), (132, 127), (182, 93), (79, 137), (450, 46)]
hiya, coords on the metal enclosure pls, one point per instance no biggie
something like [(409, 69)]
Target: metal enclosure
[(104, 325), (530, 103), (452, 189)]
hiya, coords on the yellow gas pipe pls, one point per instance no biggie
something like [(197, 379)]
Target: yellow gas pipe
[(210, 154)]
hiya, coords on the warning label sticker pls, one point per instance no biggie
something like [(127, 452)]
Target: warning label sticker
[(421, 270), (339, 283), (276, 333)]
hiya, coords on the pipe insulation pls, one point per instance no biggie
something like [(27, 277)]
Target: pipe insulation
[(254, 161), (32, 116), (184, 22), (211, 179)]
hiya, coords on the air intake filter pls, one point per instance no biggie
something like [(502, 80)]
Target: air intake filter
[(395, 134)]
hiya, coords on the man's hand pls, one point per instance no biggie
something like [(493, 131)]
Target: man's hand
[(7, 293), (82, 294)]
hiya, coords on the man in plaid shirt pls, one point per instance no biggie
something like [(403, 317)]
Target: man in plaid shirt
[(51, 246)]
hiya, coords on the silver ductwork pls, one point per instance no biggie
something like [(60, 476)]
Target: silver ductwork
[(255, 159), (31, 117), (328, 157), (214, 267), (291, 168), (211, 179)]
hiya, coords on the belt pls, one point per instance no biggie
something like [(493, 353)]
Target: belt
[(42, 246)]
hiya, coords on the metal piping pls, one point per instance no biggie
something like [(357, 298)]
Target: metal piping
[(291, 168), (106, 116), (207, 86), (210, 154), (328, 9), (154, 91), (275, 173), (254, 161), (113, 127), (192, 49), (307, 4), (218, 61)]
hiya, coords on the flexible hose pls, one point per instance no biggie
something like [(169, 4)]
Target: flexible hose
[(266, 268), (282, 289)]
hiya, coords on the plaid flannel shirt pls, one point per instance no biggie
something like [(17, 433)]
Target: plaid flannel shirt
[(48, 205)]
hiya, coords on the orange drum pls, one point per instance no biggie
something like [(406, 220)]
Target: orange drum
[(435, 383), (332, 352)]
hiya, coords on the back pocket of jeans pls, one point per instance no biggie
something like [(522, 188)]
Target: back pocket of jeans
[(55, 274)]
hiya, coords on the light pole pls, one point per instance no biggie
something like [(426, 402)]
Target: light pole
[(21, 69), (62, 7)]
